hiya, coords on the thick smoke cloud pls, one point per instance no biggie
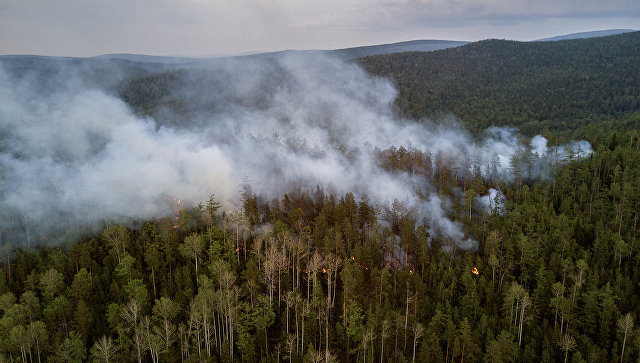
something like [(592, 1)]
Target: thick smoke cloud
[(81, 154)]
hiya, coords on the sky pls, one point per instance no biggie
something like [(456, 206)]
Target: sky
[(220, 27)]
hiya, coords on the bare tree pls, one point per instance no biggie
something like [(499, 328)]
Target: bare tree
[(301, 248), (333, 263), (558, 295), (316, 356), (306, 309), (290, 345), (625, 325), (270, 267), (579, 276), (193, 247), (384, 334), (104, 350), (289, 300), (406, 315), (238, 218), (256, 247), (517, 302), (117, 237), (153, 342), (282, 264), (418, 330), (567, 342), (313, 266), (367, 337), (131, 314)]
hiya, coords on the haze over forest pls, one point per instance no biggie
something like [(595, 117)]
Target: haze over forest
[(423, 201)]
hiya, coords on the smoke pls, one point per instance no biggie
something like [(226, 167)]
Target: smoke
[(76, 155), (434, 208), (493, 202)]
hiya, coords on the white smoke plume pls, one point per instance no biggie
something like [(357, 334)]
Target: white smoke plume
[(492, 202), (77, 153)]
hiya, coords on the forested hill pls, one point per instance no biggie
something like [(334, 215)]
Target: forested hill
[(320, 276), (311, 278), (535, 86)]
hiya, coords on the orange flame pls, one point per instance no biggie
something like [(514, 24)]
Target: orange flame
[(475, 271), (177, 213)]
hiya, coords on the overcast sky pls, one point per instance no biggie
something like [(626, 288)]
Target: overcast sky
[(214, 27)]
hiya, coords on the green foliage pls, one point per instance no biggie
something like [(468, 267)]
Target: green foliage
[(554, 276), (51, 282), (70, 350), (536, 86)]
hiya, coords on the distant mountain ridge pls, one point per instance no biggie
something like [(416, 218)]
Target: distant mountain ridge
[(344, 53), (148, 58), (585, 35), (408, 46), (419, 45), (108, 70)]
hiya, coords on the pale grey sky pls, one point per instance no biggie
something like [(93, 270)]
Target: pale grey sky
[(213, 27)]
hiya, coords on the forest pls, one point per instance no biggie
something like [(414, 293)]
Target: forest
[(314, 276), (564, 87)]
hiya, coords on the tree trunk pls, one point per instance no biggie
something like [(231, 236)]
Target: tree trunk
[(406, 321), (153, 279), (446, 359), (326, 342), (624, 341), (414, 351), (137, 338), (395, 351)]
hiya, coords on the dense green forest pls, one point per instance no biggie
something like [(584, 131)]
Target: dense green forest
[(311, 277), (535, 86)]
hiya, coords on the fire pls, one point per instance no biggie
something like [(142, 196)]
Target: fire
[(177, 213), (324, 271), (475, 271)]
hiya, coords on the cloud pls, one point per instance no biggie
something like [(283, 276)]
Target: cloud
[(195, 27)]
